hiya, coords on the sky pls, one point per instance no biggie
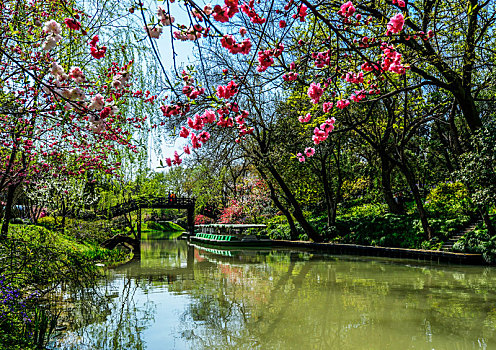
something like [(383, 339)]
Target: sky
[(184, 51)]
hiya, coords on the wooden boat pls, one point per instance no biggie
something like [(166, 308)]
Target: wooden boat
[(230, 235)]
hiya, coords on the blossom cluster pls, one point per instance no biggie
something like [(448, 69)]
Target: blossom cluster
[(265, 59), (229, 43), (357, 84)]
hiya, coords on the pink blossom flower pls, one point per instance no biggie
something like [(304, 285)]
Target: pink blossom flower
[(347, 9), (291, 76), (341, 104), (207, 9), (264, 60), (164, 17), (51, 41), (98, 52), (186, 149), (229, 43), (72, 23), (395, 24), (76, 74), (52, 27), (315, 92), (309, 151), (184, 132), (302, 13), (177, 160), (195, 142), (168, 161), (242, 31), (58, 72), (227, 91), (204, 136), (97, 102), (300, 157), (391, 60), (282, 24), (209, 116), (327, 106), (249, 10), (153, 31), (305, 119)]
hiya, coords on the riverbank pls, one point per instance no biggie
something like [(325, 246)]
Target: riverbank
[(401, 253), (36, 261), (385, 230)]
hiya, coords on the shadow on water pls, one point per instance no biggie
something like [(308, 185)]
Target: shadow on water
[(179, 296)]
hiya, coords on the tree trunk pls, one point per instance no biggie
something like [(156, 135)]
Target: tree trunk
[(469, 109), (329, 197), (8, 211), (297, 212), (394, 206), (293, 231), (410, 178), (487, 222), (64, 213)]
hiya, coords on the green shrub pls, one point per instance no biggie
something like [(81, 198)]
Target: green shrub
[(449, 199), (478, 241), (279, 231), (364, 210), (47, 221), (387, 230)]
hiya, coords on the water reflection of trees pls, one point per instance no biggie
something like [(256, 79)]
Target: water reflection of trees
[(118, 324), (310, 301), (289, 300)]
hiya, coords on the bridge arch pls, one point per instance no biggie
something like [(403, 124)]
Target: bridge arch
[(154, 203)]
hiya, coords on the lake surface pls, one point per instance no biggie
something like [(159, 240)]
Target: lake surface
[(180, 296)]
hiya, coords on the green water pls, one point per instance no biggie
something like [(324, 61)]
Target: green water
[(183, 297)]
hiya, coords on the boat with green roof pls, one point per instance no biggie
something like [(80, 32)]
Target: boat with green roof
[(231, 235)]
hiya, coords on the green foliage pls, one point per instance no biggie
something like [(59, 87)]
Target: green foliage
[(94, 232), (404, 231), (36, 258), (278, 228), (153, 234), (166, 226), (40, 329), (449, 199), (48, 222), (364, 210), (478, 241), (478, 169), (279, 231), (387, 230)]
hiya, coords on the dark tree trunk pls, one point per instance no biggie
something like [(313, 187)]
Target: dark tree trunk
[(293, 231), (330, 198), (394, 206), (297, 212), (487, 222), (445, 147), (8, 211), (64, 213), (410, 178), (453, 130)]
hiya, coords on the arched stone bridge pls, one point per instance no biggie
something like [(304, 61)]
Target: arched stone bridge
[(154, 203)]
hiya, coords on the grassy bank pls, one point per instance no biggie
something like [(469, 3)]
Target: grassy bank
[(35, 261), (161, 230)]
